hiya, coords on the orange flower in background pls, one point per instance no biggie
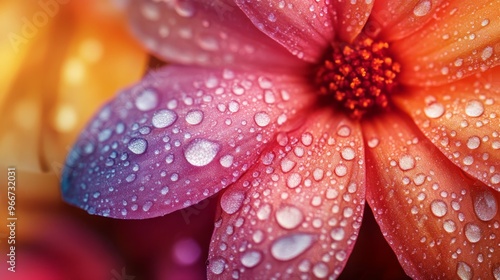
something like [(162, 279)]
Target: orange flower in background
[(300, 112)]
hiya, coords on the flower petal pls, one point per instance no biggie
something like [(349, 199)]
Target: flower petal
[(398, 19), (462, 120), (303, 27), (177, 137), (463, 38), (439, 223), (212, 33), (297, 213)]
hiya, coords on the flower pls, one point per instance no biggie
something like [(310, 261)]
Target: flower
[(298, 113)]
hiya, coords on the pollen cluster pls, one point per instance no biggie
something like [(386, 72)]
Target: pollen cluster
[(359, 76)]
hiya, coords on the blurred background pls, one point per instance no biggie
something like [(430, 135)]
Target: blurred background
[(61, 60)]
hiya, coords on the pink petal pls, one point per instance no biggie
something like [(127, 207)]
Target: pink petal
[(350, 18), (398, 19), (461, 39), (212, 33), (177, 137), (297, 213), (439, 223), (305, 28), (462, 120)]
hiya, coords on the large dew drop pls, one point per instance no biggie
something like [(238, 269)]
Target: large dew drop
[(201, 152), (138, 146), (485, 206), (289, 217), (231, 201), (164, 118), (146, 100), (251, 258), (290, 246)]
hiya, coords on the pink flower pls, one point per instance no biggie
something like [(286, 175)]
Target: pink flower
[(300, 112)]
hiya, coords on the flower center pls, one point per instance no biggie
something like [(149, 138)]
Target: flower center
[(358, 76)]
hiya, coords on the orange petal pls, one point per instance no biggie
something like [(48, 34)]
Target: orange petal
[(398, 19), (461, 39), (462, 120), (298, 212), (439, 223)]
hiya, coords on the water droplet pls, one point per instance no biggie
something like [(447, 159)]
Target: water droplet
[(147, 206), (290, 246), (217, 265), (320, 270), (264, 212), (485, 205), (231, 201), (130, 178), (337, 233), (104, 135), (289, 217), (164, 190), (406, 162), (422, 8), (341, 170), (348, 153), (434, 110), (146, 100), (164, 118), (262, 119), (344, 131), (201, 152), (194, 117), (473, 142), (294, 180), (439, 208), (226, 161), (472, 232), (464, 271), (138, 145), (474, 108), (449, 226), (487, 53), (251, 258), (184, 8), (271, 17)]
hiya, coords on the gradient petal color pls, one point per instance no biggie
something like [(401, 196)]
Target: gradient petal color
[(304, 28), (297, 213), (186, 132), (439, 224), (453, 45), (209, 33), (394, 20), (462, 120)]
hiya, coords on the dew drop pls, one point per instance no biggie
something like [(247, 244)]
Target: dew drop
[(264, 212), (485, 205), (474, 108), (231, 201), (306, 139), (294, 180), (406, 162), (348, 153), (138, 146), (487, 53), (289, 217), (290, 246), (434, 110), (163, 118), (226, 161), (164, 190), (320, 270), (217, 265), (422, 8), (449, 226), (201, 152), (337, 233), (472, 232), (194, 117), (464, 271), (473, 142), (146, 100), (271, 17), (251, 258), (439, 208), (147, 206), (184, 8), (262, 119)]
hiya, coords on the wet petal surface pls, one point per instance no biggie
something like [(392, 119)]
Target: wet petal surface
[(212, 33), (440, 223), (462, 120), (177, 137), (462, 39), (297, 213)]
